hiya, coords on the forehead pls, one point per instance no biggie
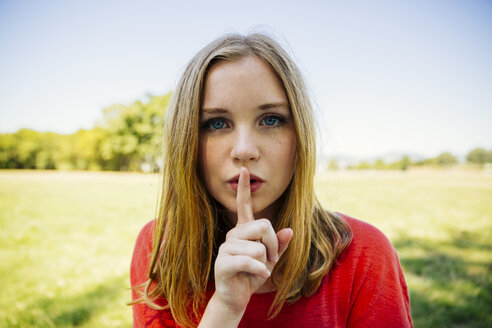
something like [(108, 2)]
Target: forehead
[(251, 63), (248, 79)]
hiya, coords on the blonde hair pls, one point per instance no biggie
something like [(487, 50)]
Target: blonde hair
[(186, 231)]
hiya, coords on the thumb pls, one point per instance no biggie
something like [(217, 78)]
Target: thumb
[(284, 236)]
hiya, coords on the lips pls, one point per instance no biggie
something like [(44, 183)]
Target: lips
[(254, 182)]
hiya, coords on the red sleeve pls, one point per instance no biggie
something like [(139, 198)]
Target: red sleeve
[(143, 316), (379, 294)]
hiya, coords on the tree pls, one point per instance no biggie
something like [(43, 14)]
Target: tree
[(126, 139), (379, 164), (405, 163), (81, 150), (333, 165), (48, 143), (29, 149), (134, 133), (478, 156), (27, 143), (363, 165), (9, 158), (402, 164), (445, 159)]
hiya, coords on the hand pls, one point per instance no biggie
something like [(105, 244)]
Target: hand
[(248, 255)]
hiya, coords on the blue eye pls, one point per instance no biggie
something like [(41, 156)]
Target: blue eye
[(271, 120), (216, 124)]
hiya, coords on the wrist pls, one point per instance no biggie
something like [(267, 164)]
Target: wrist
[(217, 312)]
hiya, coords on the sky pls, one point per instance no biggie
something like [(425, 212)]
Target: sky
[(385, 76)]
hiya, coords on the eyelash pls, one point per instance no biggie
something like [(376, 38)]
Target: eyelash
[(207, 125)]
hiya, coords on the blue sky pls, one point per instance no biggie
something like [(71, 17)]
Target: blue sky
[(386, 76)]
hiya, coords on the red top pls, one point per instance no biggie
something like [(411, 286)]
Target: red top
[(366, 288)]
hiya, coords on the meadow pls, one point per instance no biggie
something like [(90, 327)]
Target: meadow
[(66, 240)]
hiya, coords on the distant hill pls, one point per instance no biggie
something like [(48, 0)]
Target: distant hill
[(345, 160)]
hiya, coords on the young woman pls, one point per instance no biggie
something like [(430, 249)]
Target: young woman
[(240, 239)]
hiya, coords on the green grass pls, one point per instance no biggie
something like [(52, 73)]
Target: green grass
[(66, 241), (65, 246)]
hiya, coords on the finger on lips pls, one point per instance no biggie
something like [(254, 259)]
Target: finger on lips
[(259, 230), (243, 198)]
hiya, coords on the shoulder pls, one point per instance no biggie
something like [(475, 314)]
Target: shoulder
[(369, 271), (143, 315), (141, 254), (370, 258), (368, 240), (146, 233)]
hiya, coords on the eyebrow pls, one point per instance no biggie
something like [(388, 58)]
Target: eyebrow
[(218, 110), (214, 110), (273, 105)]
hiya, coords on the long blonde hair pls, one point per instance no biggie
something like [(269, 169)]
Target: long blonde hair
[(186, 231)]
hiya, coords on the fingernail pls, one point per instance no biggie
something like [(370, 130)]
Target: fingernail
[(275, 258), (268, 273)]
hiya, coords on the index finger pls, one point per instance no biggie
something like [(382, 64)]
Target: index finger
[(243, 198)]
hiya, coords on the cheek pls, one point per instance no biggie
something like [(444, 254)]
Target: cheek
[(287, 147), (208, 158)]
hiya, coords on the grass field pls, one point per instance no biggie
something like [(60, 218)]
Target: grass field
[(66, 241)]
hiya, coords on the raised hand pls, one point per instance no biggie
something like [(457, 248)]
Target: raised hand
[(249, 254)]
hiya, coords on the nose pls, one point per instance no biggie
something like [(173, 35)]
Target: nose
[(245, 146)]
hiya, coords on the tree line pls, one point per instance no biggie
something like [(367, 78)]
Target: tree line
[(129, 138), (477, 156)]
